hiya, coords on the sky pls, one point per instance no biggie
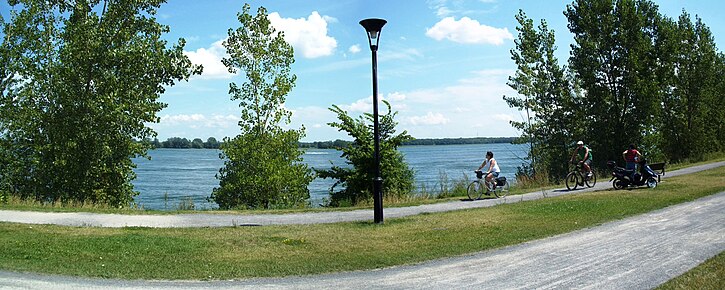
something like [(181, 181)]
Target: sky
[(442, 64)]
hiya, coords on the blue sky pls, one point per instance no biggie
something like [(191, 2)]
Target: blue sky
[(443, 64)]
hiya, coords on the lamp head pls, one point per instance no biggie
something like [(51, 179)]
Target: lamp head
[(373, 27)]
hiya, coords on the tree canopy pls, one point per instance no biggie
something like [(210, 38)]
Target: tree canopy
[(79, 82), (263, 166)]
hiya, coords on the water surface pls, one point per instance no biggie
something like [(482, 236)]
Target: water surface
[(173, 176)]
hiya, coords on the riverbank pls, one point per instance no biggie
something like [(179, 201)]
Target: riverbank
[(272, 251)]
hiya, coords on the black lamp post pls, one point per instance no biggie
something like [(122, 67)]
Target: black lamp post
[(373, 26)]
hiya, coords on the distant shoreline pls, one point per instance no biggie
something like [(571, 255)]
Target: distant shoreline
[(344, 143)]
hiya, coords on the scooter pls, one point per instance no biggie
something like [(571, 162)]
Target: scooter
[(623, 178)]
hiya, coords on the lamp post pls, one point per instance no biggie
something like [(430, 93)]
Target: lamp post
[(373, 26)]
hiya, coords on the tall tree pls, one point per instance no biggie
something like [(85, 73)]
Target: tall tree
[(80, 80), (718, 116), (263, 167), (355, 181), (695, 89), (613, 59), (546, 95)]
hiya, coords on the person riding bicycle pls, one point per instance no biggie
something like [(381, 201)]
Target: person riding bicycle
[(493, 169), (584, 157)]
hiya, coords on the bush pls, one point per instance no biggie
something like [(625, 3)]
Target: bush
[(357, 180), (263, 172)]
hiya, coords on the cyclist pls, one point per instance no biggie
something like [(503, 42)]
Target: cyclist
[(493, 169), (584, 157)]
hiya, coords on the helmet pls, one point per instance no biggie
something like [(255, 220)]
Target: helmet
[(580, 142)]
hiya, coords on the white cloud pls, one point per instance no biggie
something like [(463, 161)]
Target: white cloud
[(428, 119), (468, 31), (211, 59), (443, 11), (503, 117), (361, 105), (395, 97), (471, 107), (307, 36), (354, 49), (440, 6), (366, 105), (200, 121)]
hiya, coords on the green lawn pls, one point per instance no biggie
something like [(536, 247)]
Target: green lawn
[(708, 275), (243, 252)]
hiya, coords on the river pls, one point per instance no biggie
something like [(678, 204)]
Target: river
[(175, 176)]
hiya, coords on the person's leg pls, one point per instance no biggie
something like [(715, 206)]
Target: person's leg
[(631, 166), (588, 167), (489, 177), (493, 179)]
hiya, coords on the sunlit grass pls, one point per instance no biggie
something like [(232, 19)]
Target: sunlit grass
[(243, 252), (708, 275)]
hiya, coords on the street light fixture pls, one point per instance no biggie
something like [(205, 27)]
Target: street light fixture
[(373, 26)]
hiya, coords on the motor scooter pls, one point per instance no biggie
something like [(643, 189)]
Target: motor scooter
[(623, 178)]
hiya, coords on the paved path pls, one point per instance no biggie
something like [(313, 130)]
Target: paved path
[(639, 252), (225, 220)]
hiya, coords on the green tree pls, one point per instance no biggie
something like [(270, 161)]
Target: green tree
[(692, 110), (80, 80), (356, 179), (718, 116), (614, 60), (211, 143), (197, 143), (546, 96), (262, 167)]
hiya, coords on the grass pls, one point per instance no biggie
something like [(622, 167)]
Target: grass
[(273, 251), (708, 275)]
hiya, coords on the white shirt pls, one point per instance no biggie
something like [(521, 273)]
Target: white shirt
[(488, 165)]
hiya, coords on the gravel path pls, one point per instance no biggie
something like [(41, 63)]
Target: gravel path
[(640, 252), (225, 220)]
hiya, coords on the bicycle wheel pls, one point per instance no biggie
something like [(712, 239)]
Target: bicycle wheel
[(475, 190), (502, 190), (591, 181), (571, 180)]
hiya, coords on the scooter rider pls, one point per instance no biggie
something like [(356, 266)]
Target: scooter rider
[(632, 157)]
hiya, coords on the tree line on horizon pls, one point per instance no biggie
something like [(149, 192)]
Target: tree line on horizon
[(634, 76), (213, 143)]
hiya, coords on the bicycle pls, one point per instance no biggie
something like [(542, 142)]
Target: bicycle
[(576, 178), (480, 186)]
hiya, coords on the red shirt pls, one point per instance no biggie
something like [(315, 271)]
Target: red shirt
[(631, 153)]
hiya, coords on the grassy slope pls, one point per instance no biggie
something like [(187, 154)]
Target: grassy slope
[(242, 252)]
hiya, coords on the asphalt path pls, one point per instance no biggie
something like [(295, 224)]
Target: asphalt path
[(639, 252), (226, 220)]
